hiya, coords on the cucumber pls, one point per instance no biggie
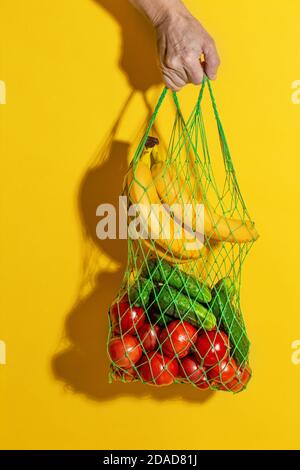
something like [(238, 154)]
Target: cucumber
[(159, 318), (163, 272), (177, 305), (139, 293), (231, 321)]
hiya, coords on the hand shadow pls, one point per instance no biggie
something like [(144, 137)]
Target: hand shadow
[(138, 57), (83, 363)]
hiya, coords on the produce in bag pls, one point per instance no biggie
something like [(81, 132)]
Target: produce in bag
[(177, 317)]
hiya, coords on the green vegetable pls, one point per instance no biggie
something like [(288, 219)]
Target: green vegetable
[(139, 293), (159, 318), (232, 322), (173, 303), (163, 272)]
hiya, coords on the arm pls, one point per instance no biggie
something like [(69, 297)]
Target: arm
[(181, 41)]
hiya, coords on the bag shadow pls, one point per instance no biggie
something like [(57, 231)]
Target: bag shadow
[(81, 362)]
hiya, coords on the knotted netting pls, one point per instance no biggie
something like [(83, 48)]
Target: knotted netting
[(177, 316)]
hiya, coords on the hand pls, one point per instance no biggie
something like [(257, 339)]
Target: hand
[(181, 41)]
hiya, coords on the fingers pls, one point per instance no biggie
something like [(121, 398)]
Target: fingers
[(212, 59), (190, 70), (174, 74), (175, 83), (177, 73), (193, 68), (180, 45)]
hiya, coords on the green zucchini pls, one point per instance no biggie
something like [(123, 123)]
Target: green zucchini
[(231, 321), (139, 293), (177, 305), (163, 272)]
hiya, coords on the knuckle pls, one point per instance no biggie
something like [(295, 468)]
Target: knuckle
[(171, 62), (189, 58)]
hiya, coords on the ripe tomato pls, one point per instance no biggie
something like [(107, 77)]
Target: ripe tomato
[(129, 318), (158, 370), (223, 372), (239, 382), (132, 319), (115, 329), (190, 370), (128, 375), (148, 336), (203, 383), (177, 338), (124, 351), (116, 312), (212, 347)]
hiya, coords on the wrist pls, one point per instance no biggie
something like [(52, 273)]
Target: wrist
[(160, 11), (166, 10), (169, 12)]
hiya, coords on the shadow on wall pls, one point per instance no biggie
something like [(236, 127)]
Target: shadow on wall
[(83, 364), (138, 59)]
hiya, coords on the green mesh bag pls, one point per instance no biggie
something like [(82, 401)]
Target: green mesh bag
[(177, 317)]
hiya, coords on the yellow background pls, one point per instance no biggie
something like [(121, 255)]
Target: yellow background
[(69, 68)]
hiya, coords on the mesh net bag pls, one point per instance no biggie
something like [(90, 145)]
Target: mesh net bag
[(177, 317)]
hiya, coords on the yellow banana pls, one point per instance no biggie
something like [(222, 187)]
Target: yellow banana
[(162, 254), (172, 188), (169, 236)]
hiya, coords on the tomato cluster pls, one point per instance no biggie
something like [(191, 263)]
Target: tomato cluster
[(178, 351)]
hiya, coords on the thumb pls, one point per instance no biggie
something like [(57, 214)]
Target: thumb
[(211, 60)]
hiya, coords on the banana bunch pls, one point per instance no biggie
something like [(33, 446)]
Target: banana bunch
[(154, 183)]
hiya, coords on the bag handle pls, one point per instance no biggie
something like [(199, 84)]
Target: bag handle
[(152, 119), (224, 146)]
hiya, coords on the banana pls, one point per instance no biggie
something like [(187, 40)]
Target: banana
[(160, 253), (165, 183), (170, 236), (172, 188)]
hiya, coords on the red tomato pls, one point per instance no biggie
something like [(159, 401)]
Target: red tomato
[(128, 375), (130, 318), (190, 370), (119, 307), (239, 382), (177, 338), (158, 370), (116, 312), (148, 336), (212, 347), (203, 383), (223, 372), (124, 351)]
